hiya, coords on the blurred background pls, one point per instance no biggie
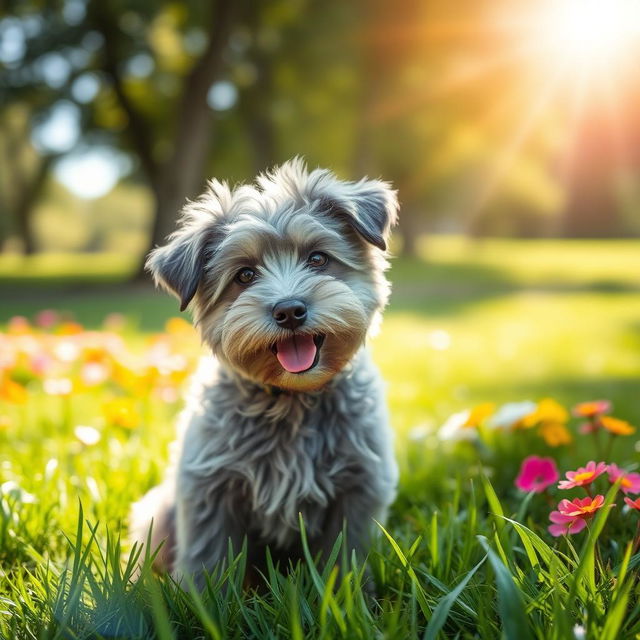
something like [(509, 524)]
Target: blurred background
[(510, 128)]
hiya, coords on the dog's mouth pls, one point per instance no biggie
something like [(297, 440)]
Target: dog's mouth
[(299, 352)]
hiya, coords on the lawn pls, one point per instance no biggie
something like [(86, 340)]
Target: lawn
[(465, 554)]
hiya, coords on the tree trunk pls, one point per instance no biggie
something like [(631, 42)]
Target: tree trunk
[(25, 205), (182, 175)]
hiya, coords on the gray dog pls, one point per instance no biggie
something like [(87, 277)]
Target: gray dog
[(286, 280)]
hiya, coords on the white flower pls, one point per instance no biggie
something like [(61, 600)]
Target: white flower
[(14, 490), (455, 428), (87, 435), (508, 414), (58, 386)]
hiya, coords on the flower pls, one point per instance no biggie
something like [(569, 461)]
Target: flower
[(121, 412), (462, 425), (58, 386), (583, 476), (548, 410), (583, 508), (615, 426), (563, 525), (11, 391), (572, 515), (536, 474), (591, 409), (588, 427), (555, 434), (630, 482), (47, 318), (87, 435), (480, 413), (456, 427), (634, 504), (18, 325), (510, 415)]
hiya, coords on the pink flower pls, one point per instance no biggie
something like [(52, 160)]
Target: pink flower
[(47, 318), (583, 476), (536, 474), (564, 525), (588, 427), (572, 515), (580, 508), (630, 482), (634, 504)]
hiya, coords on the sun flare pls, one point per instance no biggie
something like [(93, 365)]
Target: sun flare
[(592, 32)]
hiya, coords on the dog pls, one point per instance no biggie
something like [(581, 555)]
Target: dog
[(285, 279)]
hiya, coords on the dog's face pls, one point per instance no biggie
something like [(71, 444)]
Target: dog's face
[(286, 277)]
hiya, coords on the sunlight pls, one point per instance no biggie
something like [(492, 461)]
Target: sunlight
[(591, 32)]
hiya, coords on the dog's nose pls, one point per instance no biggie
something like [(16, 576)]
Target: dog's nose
[(290, 314)]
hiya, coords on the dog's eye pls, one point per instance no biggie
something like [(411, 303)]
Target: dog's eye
[(245, 275), (317, 259)]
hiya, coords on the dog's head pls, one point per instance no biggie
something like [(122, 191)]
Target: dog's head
[(285, 277)]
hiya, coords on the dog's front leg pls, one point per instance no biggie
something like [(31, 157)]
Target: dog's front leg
[(356, 509), (206, 521)]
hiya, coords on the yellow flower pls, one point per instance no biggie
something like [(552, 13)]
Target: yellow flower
[(178, 326), (70, 328), (479, 414), (12, 392), (615, 426), (121, 412), (555, 434), (548, 410)]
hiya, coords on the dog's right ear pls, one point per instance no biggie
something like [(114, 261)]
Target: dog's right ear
[(179, 265)]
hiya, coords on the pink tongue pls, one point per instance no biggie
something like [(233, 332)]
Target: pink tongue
[(297, 353)]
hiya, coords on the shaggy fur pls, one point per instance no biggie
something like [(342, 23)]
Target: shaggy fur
[(258, 444)]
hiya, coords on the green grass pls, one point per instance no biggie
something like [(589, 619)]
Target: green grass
[(463, 555)]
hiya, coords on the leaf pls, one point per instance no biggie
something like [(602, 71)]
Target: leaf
[(441, 612), (510, 604), (420, 594)]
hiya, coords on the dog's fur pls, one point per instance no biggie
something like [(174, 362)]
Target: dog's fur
[(258, 445)]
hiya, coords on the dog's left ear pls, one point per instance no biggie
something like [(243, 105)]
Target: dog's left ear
[(369, 206), (179, 265)]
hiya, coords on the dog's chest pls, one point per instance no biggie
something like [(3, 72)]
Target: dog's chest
[(299, 464)]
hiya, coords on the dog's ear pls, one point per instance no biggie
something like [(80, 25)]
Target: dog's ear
[(369, 206), (178, 266)]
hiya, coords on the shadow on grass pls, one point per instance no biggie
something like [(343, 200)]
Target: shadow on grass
[(418, 286), (446, 289)]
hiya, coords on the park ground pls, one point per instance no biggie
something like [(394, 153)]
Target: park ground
[(470, 322)]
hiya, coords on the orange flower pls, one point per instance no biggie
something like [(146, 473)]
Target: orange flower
[(12, 392), (615, 426), (591, 409), (555, 434), (121, 412)]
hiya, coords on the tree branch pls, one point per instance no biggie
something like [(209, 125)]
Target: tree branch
[(194, 117), (138, 129)]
